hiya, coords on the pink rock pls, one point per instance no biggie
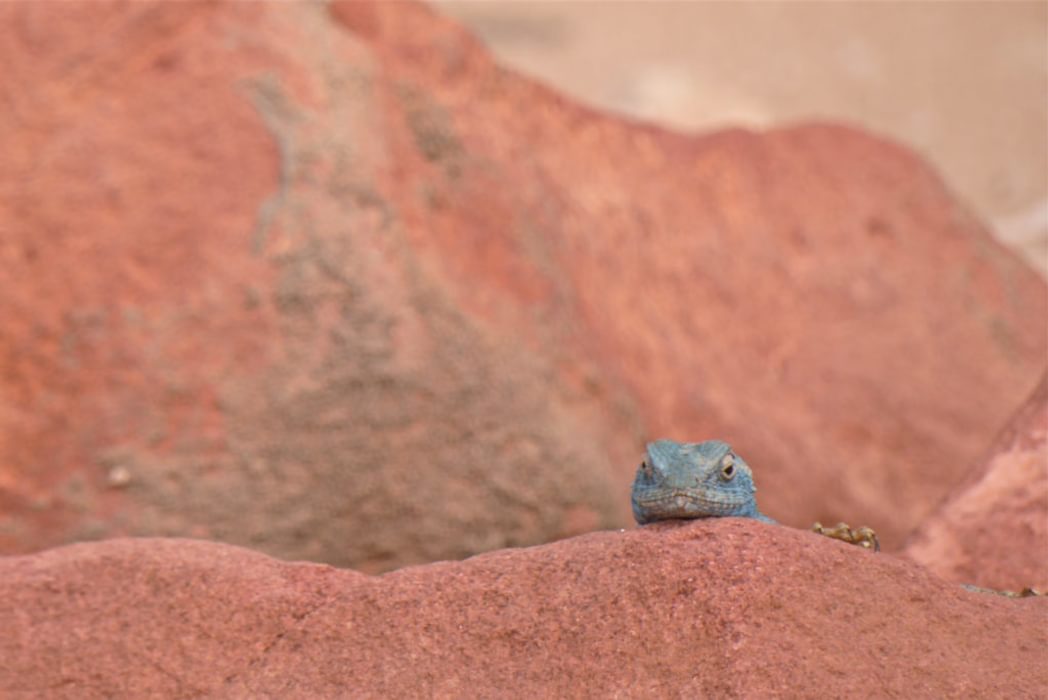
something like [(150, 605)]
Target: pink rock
[(725, 607), (993, 530), (327, 281)]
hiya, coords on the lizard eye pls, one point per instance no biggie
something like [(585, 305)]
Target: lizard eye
[(646, 468), (728, 467)]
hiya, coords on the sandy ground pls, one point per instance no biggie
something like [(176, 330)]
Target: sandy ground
[(965, 83)]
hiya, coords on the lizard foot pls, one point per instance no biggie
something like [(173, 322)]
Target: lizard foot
[(862, 536), (1024, 593)]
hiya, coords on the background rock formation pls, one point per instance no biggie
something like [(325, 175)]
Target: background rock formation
[(992, 530), (325, 281), (893, 68)]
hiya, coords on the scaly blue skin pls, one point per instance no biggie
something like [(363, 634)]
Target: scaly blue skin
[(683, 480)]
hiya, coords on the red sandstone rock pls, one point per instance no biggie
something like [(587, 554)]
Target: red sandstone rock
[(326, 281), (993, 530), (727, 608)]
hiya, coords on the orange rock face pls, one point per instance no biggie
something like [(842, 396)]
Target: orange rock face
[(726, 608), (326, 281), (993, 530)]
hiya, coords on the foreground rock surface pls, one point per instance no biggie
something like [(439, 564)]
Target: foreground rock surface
[(724, 607), (993, 530), (324, 280)]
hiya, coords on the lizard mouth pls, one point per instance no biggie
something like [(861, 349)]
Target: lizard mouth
[(690, 504)]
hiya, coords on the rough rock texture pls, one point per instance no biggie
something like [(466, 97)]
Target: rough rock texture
[(727, 607), (325, 281), (993, 530)]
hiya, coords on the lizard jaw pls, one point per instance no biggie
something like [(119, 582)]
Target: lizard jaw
[(691, 504)]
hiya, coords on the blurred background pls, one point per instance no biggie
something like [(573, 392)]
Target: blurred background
[(965, 83), (333, 281)]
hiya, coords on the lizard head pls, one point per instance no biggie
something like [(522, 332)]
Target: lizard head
[(693, 480)]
